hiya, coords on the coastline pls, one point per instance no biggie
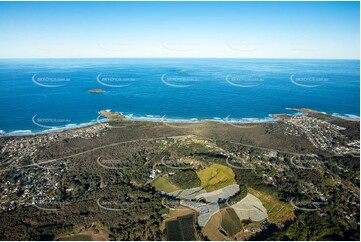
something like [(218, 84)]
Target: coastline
[(159, 119)]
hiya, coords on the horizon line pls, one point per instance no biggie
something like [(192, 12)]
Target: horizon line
[(279, 58)]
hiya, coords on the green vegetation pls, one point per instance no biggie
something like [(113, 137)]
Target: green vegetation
[(81, 181), (185, 179), (162, 183), (312, 227), (243, 191), (181, 229), (278, 211), (216, 177)]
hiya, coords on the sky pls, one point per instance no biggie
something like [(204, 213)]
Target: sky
[(309, 30)]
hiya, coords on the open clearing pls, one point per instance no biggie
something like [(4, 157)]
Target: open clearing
[(211, 229), (77, 237), (223, 225), (173, 214), (278, 211), (230, 222), (163, 184), (95, 233), (216, 177), (250, 208)]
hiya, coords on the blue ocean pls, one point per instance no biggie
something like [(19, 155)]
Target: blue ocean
[(38, 95)]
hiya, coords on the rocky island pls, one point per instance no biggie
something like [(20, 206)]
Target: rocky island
[(112, 115), (96, 90)]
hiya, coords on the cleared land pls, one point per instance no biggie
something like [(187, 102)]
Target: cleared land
[(216, 177), (181, 229), (173, 214), (211, 229), (94, 233), (77, 237), (223, 193), (144, 140), (278, 211), (163, 184), (230, 222), (250, 208)]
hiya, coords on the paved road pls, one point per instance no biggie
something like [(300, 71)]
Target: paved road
[(267, 149), (97, 148), (148, 139), (300, 167), (303, 209)]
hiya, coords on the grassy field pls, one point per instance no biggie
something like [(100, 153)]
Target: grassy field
[(96, 232), (230, 222), (278, 211), (216, 177), (163, 184), (77, 237)]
